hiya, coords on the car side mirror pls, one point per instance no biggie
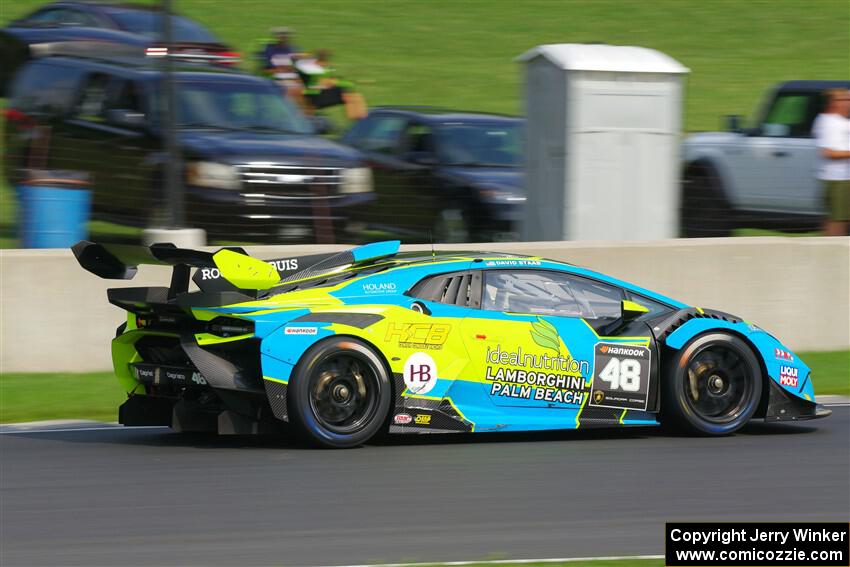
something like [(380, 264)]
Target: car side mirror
[(629, 310), (734, 123), (422, 158), (420, 307), (124, 118)]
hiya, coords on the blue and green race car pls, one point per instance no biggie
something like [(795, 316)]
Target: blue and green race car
[(342, 347)]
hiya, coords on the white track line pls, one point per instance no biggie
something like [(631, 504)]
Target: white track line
[(510, 561)]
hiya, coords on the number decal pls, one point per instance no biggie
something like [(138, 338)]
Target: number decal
[(621, 377), (622, 374)]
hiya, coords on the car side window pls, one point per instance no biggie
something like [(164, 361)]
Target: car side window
[(544, 292), (383, 135), (78, 18), (61, 17), (788, 117), (92, 104), (418, 138), (655, 308), (46, 18), (126, 96), (44, 88)]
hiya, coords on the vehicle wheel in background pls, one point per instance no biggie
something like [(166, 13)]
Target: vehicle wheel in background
[(452, 225), (340, 393), (712, 386), (705, 212)]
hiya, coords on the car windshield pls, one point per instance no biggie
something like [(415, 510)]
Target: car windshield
[(237, 106), (149, 23), (482, 144)]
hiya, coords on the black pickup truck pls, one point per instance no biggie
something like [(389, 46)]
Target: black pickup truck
[(254, 169)]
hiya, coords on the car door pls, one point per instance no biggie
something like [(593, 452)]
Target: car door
[(536, 343), (415, 198), (128, 140), (109, 152), (385, 140), (789, 161), (779, 173)]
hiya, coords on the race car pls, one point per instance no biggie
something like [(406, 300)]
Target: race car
[(342, 347)]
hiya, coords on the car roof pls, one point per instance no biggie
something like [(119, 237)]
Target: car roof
[(447, 261), (812, 86), (150, 67), (436, 114), (97, 5)]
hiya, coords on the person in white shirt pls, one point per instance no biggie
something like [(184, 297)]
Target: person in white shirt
[(831, 131)]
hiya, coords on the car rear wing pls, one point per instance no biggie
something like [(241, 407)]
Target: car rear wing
[(227, 270)]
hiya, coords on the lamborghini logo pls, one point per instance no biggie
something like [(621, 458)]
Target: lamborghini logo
[(598, 396)]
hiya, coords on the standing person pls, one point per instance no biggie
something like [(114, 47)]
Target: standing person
[(831, 131), (281, 52), (278, 60)]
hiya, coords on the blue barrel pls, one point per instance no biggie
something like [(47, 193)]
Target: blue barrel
[(54, 212)]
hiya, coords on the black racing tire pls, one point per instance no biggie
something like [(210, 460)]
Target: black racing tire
[(712, 386), (340, 394), (705, 210)]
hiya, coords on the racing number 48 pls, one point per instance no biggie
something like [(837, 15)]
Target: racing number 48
[(622, 374)]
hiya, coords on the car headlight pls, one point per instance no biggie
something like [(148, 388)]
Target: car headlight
[(212, 174), (356, 180)]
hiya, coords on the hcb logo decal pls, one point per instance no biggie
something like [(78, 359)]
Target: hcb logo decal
[(420, 373), (418, 335)]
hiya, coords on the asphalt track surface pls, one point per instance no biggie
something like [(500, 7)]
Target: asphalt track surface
[(152, 497)]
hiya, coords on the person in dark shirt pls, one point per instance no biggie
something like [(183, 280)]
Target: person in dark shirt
[(280, 53), (278, 60)]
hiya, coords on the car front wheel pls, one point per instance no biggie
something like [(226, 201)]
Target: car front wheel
[(713, 385)]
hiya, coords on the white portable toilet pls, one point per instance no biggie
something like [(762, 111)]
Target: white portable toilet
[(603, 133)]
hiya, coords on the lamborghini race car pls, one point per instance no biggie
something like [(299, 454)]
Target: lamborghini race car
[(345, 346)]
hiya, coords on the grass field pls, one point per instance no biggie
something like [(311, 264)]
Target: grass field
[(31, 397), (460, 54)]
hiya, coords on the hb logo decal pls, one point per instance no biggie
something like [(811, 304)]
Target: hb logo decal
[(420, 373)]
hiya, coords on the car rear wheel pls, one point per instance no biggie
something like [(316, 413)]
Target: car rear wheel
[(713, 386), (340, 393)]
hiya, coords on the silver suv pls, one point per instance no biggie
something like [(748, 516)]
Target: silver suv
[(758, 176)]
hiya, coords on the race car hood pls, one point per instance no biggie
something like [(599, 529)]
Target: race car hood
[(242, 146)]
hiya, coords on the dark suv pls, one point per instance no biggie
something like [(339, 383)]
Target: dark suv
[(456, 175), (253, 167)]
